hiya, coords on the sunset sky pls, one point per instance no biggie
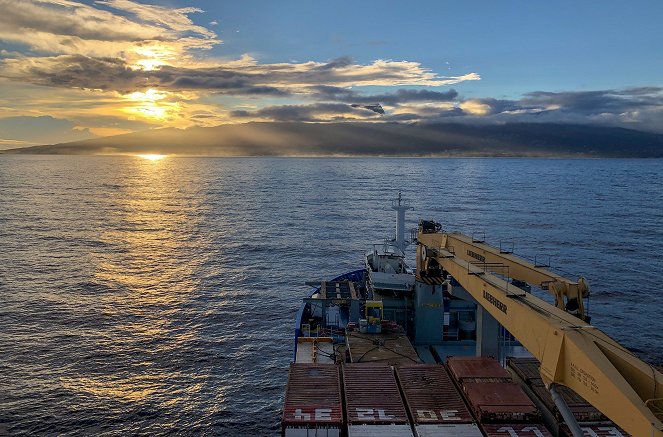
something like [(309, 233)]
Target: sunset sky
[(73, 70)]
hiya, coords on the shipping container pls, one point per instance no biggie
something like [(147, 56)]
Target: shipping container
[(312, 406), (608, 429), (477, 369), (515, 430), (372, 395), (434, 403), (448, 430), (379, 431), (504, 402), (431, 396)]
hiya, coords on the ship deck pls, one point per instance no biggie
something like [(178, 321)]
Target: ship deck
[(390, 348)]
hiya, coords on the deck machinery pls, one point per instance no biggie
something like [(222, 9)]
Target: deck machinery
[(466, 297), (572, 352)]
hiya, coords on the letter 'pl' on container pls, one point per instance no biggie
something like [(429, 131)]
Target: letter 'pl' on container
[(373, 402)]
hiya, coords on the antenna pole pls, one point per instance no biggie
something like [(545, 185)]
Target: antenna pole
[(400, 206)]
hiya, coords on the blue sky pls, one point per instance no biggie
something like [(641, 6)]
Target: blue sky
[(517, 46), (96, 68)]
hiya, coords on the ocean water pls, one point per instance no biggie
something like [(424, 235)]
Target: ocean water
[(158, 297)]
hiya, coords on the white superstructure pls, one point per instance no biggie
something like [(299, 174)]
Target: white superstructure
[(385, 264)]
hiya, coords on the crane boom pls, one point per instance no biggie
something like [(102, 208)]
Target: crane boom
[(568, 294), (572, 352)]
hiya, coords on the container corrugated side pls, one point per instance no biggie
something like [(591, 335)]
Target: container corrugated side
[(582, 410), (515, 430), (431, 396), (608, 429), (477, 367), (500, 402), (313, 432), (372, 395), (379, 431), (448, 430), (312, 400), (527, 369)]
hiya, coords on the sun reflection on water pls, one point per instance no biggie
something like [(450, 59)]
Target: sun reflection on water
[(152, 263)]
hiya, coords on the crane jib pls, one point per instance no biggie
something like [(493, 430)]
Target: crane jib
[(624, 388)]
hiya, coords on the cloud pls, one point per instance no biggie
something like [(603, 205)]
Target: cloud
[(127, 46), (69, 27), (113, 66), (597, 102), (122, 60), (475, 107), (75, 71), (242, 77), (175, 20), (307, 113), (105, 113), (326, 92), (638, 108), (68, 20)]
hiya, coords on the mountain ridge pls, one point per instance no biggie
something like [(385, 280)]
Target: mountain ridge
[(373, 139)]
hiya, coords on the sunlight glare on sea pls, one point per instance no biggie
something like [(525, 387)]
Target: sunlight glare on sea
[(146, 296)]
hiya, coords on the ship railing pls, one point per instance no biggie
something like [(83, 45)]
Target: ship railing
[(479, 237), (326, 331), (498, 269)]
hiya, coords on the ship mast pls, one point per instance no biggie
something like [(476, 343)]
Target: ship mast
[(400, 206)]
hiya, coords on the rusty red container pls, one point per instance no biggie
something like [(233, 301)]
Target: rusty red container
[(312, 399), (431, 396), (372, 395), (477, 368), (515, 430), (500, 402)]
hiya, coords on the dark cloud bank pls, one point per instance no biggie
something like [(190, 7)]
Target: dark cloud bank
[(638, 108), (376, 139)]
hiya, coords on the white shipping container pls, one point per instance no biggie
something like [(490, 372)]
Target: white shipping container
[(379, 431), (448, 430), (312, 432)]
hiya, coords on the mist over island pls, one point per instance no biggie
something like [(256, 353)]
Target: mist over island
[(372, 139)]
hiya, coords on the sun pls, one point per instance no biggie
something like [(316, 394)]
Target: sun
[(152, 156)]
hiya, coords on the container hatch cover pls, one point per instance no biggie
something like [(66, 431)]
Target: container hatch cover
[(431, 396), (372, 395), (313, 396), (477, 368)]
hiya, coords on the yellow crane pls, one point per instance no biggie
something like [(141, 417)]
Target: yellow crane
[(572, 352)]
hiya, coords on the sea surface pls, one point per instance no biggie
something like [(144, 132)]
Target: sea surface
[(158, 297)]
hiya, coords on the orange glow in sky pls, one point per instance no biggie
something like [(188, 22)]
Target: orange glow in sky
[(152, 156)]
